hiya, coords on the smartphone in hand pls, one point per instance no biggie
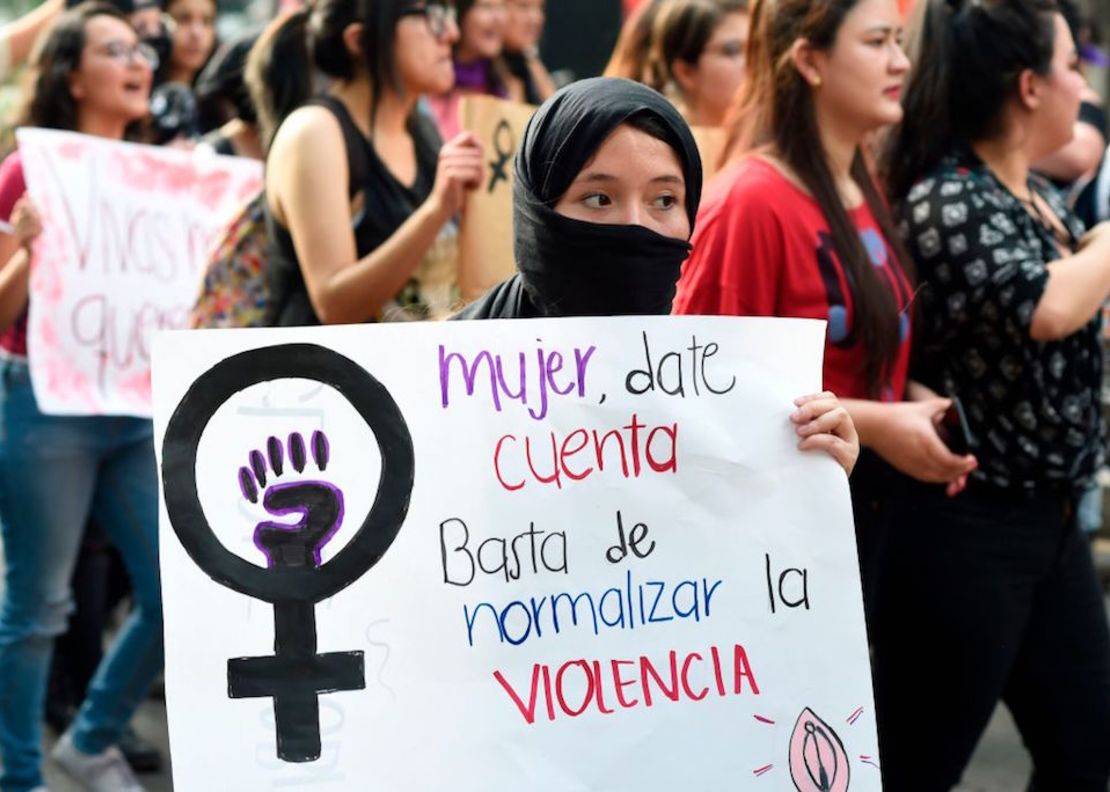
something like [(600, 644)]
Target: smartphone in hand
[(954, 429)]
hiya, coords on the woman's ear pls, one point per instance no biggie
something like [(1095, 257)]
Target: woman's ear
[(352, 39), (76, 86), (685, 75), (807, 61), (1029, 89)]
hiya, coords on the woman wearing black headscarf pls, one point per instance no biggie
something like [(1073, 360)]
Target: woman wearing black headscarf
[(606, 188)]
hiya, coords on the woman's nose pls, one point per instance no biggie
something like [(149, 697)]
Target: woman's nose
[(633, 214)]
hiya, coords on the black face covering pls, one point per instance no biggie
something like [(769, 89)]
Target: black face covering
[(574, 268)]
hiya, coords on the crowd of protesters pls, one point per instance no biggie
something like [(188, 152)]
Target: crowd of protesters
[(931, 178)]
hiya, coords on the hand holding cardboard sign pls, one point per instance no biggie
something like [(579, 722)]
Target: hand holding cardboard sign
[(26, 223)]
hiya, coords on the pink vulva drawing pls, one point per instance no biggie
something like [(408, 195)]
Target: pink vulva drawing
[(818, 762)]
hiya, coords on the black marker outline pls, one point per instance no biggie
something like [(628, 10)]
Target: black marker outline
[(499, 167), (373, 538)]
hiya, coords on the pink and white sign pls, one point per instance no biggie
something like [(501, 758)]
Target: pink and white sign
[(127, 230)]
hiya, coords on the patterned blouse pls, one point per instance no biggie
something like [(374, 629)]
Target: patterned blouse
[(981, 258)]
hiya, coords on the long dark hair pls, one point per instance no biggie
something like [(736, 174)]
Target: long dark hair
[(775, 107), (278, 84), (48, 102), (968, 57), (221, 88), (313, 37)]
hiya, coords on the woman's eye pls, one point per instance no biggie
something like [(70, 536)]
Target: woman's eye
[(666, 201), (597, 200)]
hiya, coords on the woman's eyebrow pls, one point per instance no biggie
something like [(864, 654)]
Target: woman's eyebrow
[(598, 177)]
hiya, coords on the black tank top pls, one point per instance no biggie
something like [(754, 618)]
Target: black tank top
[(386, 205)]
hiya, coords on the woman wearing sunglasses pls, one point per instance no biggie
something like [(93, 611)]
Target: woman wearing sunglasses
[(91, 75), (359, 192)]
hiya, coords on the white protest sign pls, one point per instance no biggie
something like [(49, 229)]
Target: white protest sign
[(532, 555), (126, 235)]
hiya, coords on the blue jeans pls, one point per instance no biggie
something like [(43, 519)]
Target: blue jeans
[(54, 473)]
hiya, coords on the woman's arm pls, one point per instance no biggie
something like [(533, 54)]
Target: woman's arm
[(15, 261), (1077, 287), (905, 435), (21, 34), (302, 186)]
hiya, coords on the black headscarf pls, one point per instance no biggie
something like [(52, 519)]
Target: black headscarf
[(570, 267)]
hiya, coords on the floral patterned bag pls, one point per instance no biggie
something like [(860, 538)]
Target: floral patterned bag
[(234, 292)]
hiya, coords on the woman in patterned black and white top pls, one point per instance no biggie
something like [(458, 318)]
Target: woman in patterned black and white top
[(991, 594)]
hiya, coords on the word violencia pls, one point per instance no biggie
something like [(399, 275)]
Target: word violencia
[(576, 686)]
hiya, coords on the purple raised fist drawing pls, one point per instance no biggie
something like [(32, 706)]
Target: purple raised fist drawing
[(292, 483), (279, 475)]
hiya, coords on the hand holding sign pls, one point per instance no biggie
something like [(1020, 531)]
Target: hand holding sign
[(26, 225)]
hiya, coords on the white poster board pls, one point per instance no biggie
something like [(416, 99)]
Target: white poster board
[(127, 230), (612, 567)]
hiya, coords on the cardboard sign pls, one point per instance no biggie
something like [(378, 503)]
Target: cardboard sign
[(486, 232), (126, 234), (541, 555)]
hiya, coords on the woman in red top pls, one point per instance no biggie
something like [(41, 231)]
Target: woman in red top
[(794, 226)]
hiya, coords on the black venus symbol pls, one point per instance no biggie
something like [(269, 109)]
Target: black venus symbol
[(296, 674)]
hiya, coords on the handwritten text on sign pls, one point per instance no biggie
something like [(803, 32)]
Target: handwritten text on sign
[(126, 234), (612, 555)]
